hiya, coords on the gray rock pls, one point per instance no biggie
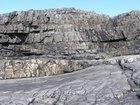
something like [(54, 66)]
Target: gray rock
[(94, 85), (39, 43), (70, 28)]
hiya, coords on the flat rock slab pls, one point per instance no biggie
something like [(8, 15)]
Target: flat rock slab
[(98, 85)]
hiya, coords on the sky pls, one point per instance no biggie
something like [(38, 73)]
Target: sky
[(109, 7)]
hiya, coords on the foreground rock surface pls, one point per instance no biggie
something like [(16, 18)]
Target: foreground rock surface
[(106, 84)]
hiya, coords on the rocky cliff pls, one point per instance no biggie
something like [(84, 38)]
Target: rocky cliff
[(67, 34), (68, 31)]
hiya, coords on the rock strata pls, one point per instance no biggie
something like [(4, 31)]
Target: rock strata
[(41, 67), (54, 41), (68, 31), (39, 43), (106, 84)]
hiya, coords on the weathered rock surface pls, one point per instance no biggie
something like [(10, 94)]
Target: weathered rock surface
[(38, 43), (68, 31), (46, 67), (41, 67), (54, 41), (106, 84)]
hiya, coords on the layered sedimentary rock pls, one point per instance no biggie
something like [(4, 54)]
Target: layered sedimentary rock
[(68, 31), (58, 35), (41, 67), (39, 43), (107, 84)]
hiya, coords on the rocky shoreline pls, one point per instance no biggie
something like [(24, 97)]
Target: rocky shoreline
[(60, 36), (96, 55), (115, 82)]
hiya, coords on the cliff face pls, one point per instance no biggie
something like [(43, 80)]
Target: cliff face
[(67, 33)]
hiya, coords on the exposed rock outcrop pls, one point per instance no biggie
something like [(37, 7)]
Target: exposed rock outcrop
[(63, 36), (46, 67), (41, 67), (106, 84), (68, 31), (39, 43)]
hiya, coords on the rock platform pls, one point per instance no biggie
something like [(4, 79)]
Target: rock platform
[(104, 84)]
